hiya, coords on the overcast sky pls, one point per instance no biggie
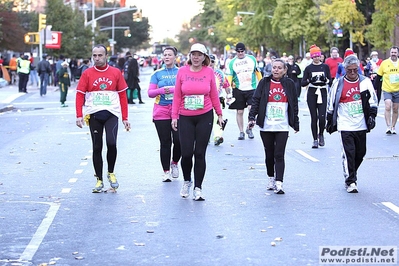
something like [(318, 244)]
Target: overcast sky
[(166, 17)]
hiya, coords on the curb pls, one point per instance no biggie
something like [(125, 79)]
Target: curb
[(6, 108)]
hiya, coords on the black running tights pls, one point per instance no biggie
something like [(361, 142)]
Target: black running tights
[(98, 122), (194, 133), (274, 144), (317, 111), (167, 136)]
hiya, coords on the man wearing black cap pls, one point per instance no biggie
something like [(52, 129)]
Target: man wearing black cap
[(243, 79), (44, 70)]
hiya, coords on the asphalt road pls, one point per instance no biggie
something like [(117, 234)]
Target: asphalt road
[(49, 215)]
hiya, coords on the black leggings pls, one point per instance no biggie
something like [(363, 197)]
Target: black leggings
[(166, 136), (99, 121), (298, 88), (194, 133), (317, 111), (274, 144)]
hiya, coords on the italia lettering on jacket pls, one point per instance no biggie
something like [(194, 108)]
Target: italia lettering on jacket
[(351, 91)]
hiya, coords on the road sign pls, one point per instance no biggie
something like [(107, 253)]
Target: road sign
[(55, 42), (337, 25), (46, 32)]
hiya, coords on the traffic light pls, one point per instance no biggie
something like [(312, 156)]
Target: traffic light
[(42, 21), (127, 33), (238, 20), (32, 38), (137, 16)]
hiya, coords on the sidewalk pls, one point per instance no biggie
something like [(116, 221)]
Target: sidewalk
[(9, 94)]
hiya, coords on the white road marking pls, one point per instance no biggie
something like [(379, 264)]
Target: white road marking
[(391, 206), (304, 154), (83, 163), (72, 180), (79, 171), (141, 197), (41, 232), (34, 103), (66, 190)]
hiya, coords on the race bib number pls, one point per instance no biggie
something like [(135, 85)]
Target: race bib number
[(394, 78), (194, 102), (355, 108), (245, 79), (275, 113), (169, 96), (101, 98)]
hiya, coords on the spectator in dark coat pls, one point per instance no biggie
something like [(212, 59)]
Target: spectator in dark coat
[(133, 81), (293, 72)]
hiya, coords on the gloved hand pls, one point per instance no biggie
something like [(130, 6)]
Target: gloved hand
[(371, 122), (329, 124), (323, 79), (313, 79)]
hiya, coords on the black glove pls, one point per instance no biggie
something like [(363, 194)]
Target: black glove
[(313, 79), (222, 102), (371, 122), (329, 124), (323, 79), (251, 124)]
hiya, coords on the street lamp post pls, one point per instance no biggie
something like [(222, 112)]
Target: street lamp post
[(93, 26), (113, 34), (93, 20)]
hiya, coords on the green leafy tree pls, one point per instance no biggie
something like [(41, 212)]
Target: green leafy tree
[(298, 21), (183, 44), (76, 39), (139, 30), (381, 32), (346, 13), (259, 26)]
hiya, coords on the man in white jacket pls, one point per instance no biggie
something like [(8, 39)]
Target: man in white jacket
[(351, 109)]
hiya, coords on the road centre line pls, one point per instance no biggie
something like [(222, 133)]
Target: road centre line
[(66, 190), (41, 232), (79, 171), (307, 156), (391, 206)]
